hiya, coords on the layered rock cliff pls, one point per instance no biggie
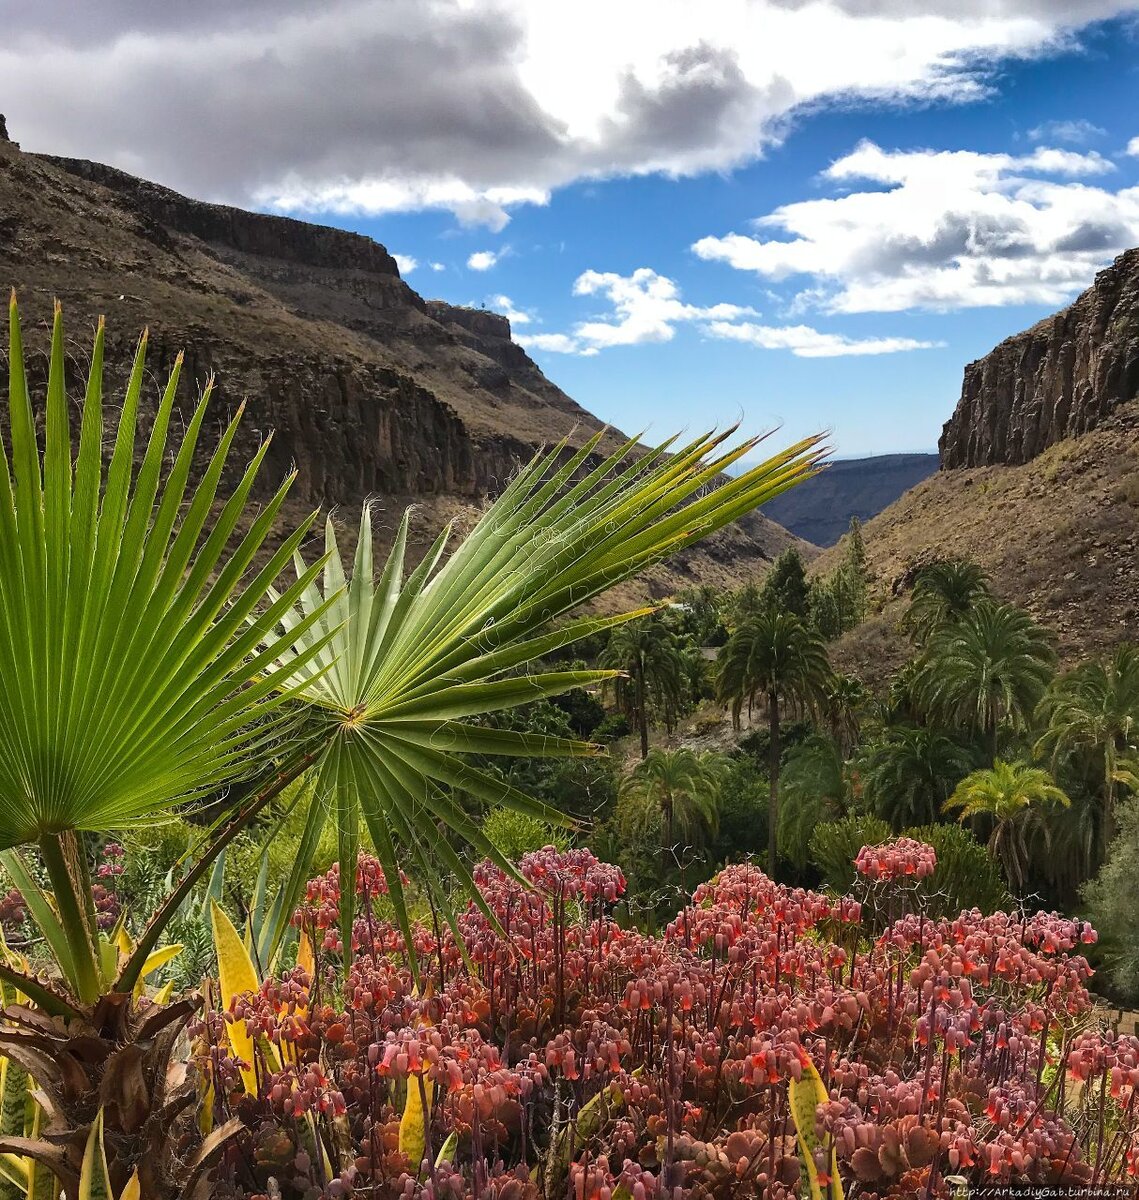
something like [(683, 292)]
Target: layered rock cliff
[(1060, 378), (371, 391)]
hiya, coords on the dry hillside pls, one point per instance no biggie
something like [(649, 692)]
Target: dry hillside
[(1058, 535)]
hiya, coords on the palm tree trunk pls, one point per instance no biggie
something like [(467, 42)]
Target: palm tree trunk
[(667, 839), (642, 707), (773, 771)]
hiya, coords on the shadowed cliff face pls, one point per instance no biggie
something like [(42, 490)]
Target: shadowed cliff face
[(369, 390), (1060, 378)]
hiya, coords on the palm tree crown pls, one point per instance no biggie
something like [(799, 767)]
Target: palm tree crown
[(683, 787), (773, 655), (1095, 710), (1009, 796), (989, 668), (944, 593), (909, 772), (649, 655)]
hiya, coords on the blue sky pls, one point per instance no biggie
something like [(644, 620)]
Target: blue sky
[(798, 213)]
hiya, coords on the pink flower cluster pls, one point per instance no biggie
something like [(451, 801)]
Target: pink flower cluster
[(567, 1056), (903, 858)]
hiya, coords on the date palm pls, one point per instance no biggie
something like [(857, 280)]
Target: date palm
[(944, 593), (1009, 796), (683, 787), (776, 657), (817, 787), (909, 772), (987, 670), (1095, 710), (648, 656), (147, 663)]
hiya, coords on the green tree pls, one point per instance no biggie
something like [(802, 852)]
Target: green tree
[(845, 698), (1110, 898), (777, 657), (908, 773), (944, 593), (1094, 710), (148, 665), (985, 671), (649, 655), (680, 788), (1008, 797), (816, 788), (785, 586)]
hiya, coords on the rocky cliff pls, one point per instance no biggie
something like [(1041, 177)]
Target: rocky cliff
[(1060, 378), (371, 391)]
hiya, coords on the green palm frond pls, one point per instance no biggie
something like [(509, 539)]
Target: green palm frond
[(410, 665), (133, 666)]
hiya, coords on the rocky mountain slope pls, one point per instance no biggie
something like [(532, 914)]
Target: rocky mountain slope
[(1056, 380), (1039, 484), (370, 390), (820, 509), (1058, 535)]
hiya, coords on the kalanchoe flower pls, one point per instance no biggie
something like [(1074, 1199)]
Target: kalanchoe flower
[(903, 858), (567, 1056)]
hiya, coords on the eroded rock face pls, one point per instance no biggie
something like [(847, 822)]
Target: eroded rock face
[(1058, 379)]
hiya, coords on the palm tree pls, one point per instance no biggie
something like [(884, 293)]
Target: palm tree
[(1095, 710), (845, 696), (147, 664), (909, 772), (648, 654), (817, 788), (683, 787), (988, 669), (776, 656), (1009, 796), (944, 593)]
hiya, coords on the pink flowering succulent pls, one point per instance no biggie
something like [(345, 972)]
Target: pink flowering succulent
[(563, 1056)]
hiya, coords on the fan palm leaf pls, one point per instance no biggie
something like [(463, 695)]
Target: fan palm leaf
[(407, 666), (134, 669)]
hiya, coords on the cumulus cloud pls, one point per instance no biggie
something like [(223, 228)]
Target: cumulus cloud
[(482, 260), (646, 307), (805, 342), (437, 266), (507, 307), (1133, 148), (941, 230), (372, 106), (406, 263), (1077, 131)]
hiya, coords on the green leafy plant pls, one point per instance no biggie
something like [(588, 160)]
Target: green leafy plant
[(147, 663)]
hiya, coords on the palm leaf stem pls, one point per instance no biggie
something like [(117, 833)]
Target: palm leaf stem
[(237, 823), (71, 885)]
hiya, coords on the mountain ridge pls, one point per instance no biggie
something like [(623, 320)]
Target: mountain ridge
[(372, 391)]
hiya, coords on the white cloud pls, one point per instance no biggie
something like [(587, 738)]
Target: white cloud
[(437, 266), (477, 108), (505, 306), (951, 229), (1133, 148), (406, 263), (805, 342), (554, 343), (482, 260), (1077, 131), (647, 307)]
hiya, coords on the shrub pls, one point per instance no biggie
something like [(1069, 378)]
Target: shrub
[(967, 874), (568, 1057), (835, 845), (612, 727), (516, 834), (1110, 898)]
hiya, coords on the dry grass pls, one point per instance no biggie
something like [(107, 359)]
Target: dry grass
[(1059, 535)]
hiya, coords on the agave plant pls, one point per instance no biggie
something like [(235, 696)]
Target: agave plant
[(147, 661)]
